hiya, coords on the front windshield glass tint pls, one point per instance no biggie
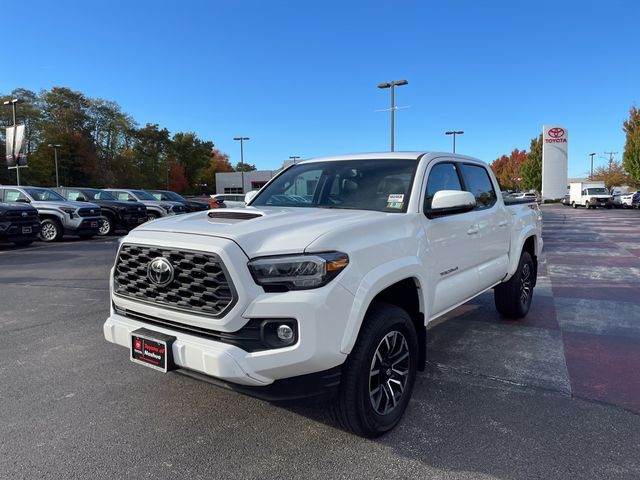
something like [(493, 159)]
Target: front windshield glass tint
[(96, 194), (142, 195), (597, 191), (380, 185), (173, 196), (45, 195)]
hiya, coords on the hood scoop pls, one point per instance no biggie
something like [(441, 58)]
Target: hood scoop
[(233, 215)]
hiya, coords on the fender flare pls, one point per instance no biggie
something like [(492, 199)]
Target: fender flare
[(518, 246), (374, 282)]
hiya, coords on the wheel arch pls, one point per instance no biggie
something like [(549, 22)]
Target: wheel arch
[(403, 289)]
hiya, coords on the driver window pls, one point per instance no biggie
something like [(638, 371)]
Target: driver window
[(443, 176)]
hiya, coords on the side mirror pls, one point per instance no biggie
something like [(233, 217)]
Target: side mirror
[(450, 202), (250, 196), (81, 199), (23, 200)]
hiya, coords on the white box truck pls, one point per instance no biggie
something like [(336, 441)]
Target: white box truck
[(589, 194)]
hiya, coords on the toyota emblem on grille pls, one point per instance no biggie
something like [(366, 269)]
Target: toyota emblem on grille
[(160, 271), (24, 214), (556, 132)]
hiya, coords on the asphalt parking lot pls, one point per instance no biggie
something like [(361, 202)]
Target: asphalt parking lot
[(554, 396)]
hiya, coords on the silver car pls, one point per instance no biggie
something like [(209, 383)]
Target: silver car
[(155, 208)]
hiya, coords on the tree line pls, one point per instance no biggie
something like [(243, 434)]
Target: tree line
[(522, 170), (102, 146)]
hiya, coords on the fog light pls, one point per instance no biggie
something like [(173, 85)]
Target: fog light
[(285, 333)]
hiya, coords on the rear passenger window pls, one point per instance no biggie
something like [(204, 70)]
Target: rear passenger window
[(478, 182), (443, 176)]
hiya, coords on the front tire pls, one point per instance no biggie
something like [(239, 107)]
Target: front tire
[(50, 230), (107, 226), (378, 377), (152, 216), (513, 298)]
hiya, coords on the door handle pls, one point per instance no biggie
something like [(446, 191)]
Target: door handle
[(503, 223), (473, 229)]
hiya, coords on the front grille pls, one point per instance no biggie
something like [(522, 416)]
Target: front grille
[(88, 212), (136, 210), (200, 283), (17, 215)]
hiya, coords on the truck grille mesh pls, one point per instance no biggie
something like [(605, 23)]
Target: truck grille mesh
[(87, 212), (200, 284)]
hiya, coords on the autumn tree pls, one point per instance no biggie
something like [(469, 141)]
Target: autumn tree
[(177, 178), (631, 155), (218, 163), (613, 175), (192, 153), (507, 169), (531, 171)]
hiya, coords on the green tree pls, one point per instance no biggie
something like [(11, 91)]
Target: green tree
[(150, 155), (531, 172), (192, 154), (244, 167), (631, 155)]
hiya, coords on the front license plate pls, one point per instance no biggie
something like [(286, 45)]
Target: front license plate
[(26, 229), (94, 224), (152, 349)]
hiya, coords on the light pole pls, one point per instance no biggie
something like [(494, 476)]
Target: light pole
[(294, 158), (242, 140), (55, 155), (454, 133), (15, 154), (591, 175), (392, 86)]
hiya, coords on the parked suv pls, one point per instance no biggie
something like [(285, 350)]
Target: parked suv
[(155, 207), (57, 215), (190, 205), (18, 223), (115, 213)]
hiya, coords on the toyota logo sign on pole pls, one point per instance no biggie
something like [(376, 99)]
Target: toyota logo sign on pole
[(555, 142)]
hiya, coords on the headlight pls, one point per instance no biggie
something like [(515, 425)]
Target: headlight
[(166, 207), (298, 272), (68, 210)]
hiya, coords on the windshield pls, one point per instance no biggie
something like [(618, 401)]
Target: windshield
[(45, 195), (167, 195), (96, 194), (142, 195), (380, 185), (597, 191)]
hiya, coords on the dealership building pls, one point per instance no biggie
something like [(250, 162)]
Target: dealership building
[(242, 182)]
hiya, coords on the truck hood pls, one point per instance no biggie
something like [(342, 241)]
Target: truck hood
[(263, 231), (65, 204)]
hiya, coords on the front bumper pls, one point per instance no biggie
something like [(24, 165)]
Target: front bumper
[(321, 316)]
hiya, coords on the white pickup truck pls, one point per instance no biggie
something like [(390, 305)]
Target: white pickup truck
[(326, 282)]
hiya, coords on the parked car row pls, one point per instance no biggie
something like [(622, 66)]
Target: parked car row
[(617, 200), (28, 213)]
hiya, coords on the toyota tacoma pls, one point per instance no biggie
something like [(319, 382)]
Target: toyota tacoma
[(324, 285)]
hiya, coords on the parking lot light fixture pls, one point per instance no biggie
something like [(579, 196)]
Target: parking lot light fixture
[(454, 133), (591, 175), (391, 85), (294, 158), (13, 104), (241, 140), (55, 156)]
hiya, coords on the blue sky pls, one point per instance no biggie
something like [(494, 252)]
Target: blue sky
[(299, 78)]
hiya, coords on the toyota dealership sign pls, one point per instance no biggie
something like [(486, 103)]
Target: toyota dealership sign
[(554, 161)]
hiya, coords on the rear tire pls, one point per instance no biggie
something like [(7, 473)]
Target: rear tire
[(50, 230), (378, 376), (574, 204), (152, 216), (513, 298)]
